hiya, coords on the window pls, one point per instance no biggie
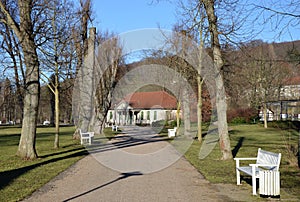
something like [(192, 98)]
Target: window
[(110, 115)]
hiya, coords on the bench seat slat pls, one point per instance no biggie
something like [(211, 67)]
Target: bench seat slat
[(248, 170)]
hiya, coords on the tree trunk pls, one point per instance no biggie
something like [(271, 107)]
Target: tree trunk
[(199, 109), (187, 114), (56, 140), (220, 89), (265, 115), (178, 117), (26, 148), (81, 47)]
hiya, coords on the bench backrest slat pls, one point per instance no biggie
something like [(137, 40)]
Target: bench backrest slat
[(266, 157)]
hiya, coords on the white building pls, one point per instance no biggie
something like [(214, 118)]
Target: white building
[(143, 108), (270, 115), (287, 107)]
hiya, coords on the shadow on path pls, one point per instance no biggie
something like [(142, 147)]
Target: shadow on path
[(122, 176), (132, 137)]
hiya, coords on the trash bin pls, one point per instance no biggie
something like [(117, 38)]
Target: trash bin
[(269, 183)]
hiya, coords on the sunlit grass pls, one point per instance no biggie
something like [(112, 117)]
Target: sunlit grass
[(19, 178), (245, 140)]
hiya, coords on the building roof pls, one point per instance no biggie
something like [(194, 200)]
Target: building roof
[(293, 81), (148, 100)]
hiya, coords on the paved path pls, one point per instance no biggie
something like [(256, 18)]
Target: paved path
[(134, 177)]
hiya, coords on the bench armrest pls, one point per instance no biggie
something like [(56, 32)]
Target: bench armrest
[(254, 158), (264, 165), (237, 161)]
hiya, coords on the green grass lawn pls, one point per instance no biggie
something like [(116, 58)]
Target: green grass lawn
[(109, 134), (19, 178), (245, 140)]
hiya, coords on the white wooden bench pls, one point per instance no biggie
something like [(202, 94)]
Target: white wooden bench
[(265, 160), (114, 128), (172, 132), (86, 137)]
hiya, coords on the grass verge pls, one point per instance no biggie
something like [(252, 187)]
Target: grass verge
[(19, 178), (109, 134), (245, 140)]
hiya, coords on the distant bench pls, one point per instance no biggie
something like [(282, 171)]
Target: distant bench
[(114, 128), (172, 132), (86, 137), (265, 160)]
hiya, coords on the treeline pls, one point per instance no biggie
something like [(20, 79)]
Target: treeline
[(238, 75)]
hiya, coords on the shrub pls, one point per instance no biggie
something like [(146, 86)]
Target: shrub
[(241, 115), (159, 123), (173, 123), (238, 120)]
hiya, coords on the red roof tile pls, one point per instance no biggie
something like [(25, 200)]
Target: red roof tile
[(147, 100), (293, 81)]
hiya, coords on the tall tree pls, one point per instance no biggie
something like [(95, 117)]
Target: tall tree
[(57, 53), (7, 104), (80, 37), (221, 104), (25, 33), (194, 20), (108, 59), (12, 59), (202, 18), (264, 73)]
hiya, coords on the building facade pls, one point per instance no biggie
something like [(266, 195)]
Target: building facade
[(143, 108)]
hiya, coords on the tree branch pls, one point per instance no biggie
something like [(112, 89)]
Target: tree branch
[(278, 12), (10, 21)]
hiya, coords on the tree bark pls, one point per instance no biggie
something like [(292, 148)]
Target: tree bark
[(186, 110), (265, 115), (220, 91), (26, 148), (56, 140), (178, 117), (81, 47), (199, 108)]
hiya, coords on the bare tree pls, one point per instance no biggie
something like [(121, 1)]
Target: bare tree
[(34, 23), (80, 37), (203, 16), (263, 74), (220, 89), (194, 17), (279, 16), (7, 104), (109, 58), (57, 54), (11, 59), (24, 30)]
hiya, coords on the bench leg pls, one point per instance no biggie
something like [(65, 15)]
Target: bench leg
[(238, 177), (254, 185), (253, 181)]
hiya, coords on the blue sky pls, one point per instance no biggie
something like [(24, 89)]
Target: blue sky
[(121, 16)]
